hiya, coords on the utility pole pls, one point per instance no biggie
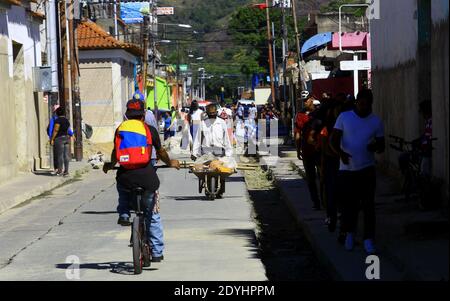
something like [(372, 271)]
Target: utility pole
[(275, 71), (65, 82), (155, 82), (145, 56), (178, 74), (285, 52), (75, 81), (269, 38), (297, 37)]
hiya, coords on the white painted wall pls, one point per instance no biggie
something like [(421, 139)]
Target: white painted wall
[(395, 34), (21, 30), (117, 93)]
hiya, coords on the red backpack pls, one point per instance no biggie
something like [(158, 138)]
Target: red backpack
[(133, 144)]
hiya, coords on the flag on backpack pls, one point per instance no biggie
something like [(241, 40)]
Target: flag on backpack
[(133, 144)]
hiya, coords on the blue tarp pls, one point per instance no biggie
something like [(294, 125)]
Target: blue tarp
[(131, 12), (317, 42)]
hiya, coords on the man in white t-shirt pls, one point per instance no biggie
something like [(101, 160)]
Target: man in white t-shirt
[(357, 136)]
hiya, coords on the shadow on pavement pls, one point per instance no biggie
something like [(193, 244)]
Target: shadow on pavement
[(235, 179), (122, 268), (249, 234), (46, 173), (99, 212), (199, 198)]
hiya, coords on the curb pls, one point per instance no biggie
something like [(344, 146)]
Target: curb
[(44, 188)]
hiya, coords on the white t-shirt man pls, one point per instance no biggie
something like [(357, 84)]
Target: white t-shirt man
[(357, 134), (215, 136)]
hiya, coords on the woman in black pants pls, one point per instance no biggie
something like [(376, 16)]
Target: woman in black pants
[(61, 142)]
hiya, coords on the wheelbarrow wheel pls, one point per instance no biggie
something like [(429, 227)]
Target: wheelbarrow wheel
[(211, 188)]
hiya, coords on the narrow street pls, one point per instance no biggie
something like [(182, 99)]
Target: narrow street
[(328, 120), (245, 236), (204, 240)]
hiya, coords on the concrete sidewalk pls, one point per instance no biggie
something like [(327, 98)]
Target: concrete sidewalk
[(412, 245), (29, 185)]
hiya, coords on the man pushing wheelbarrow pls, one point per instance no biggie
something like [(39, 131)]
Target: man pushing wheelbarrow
[(212, 153)]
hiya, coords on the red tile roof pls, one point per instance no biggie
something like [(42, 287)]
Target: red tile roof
[(90, 36)]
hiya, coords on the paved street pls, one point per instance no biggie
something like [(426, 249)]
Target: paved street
[(204, 240)]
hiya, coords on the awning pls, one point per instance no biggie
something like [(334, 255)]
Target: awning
[(350, 41), (316, 42)]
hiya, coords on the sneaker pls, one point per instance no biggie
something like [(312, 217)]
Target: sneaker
[(369, 246), (124, 221), (157, 258), (349, 242)]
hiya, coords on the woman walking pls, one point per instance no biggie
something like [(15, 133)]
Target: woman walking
[(60, 141)]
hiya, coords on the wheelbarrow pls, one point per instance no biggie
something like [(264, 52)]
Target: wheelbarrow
[(213, 182)]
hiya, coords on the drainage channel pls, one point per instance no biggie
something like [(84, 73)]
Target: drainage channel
[(284, 250)]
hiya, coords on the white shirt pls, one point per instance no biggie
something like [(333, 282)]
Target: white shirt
[(358, 133), (215, 135), (252, 111), (196, 119), (197, 115)]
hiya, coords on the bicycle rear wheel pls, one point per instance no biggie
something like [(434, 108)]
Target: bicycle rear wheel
[(138, 259)]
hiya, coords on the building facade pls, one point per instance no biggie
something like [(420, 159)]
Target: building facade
[(107, 82), (23, 112), (410, 64)]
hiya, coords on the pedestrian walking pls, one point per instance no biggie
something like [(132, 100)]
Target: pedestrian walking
[(357, 136), (60, 140), (167, 124), (50, 127), (307, 130)]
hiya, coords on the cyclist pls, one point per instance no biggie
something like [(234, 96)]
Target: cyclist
[(144, 177)]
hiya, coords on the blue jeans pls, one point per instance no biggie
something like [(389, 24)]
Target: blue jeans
[(153, 220)]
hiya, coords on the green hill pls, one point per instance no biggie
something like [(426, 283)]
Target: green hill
[(204, 15)]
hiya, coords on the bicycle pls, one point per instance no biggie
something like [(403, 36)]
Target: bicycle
[(415, 181), (139, 240)]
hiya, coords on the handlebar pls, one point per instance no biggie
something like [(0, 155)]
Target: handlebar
[(158, 167), (402, 143)]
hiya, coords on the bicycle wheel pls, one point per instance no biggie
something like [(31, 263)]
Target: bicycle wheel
[(146, 250), (138, 260)]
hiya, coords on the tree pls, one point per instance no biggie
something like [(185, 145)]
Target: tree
[(333, 6)]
